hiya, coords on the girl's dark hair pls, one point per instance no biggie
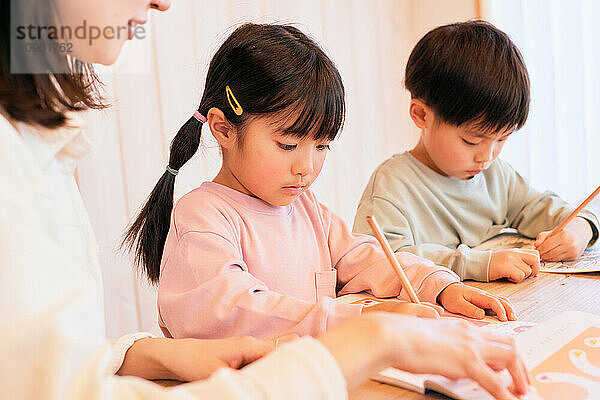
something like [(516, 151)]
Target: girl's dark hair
[(470, 72), (273, 70), (41, 99)]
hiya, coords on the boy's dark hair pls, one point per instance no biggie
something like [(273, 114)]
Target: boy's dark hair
[(470, 72), (41, 99), (273, 70)]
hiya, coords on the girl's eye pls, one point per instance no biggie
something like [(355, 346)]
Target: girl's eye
[(470, 143), (323, 147), (286, 147)]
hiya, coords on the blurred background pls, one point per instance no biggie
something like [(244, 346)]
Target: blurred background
[(159, 80)]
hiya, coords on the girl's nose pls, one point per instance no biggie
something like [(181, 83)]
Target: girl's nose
[(161, 5), (303, 166)]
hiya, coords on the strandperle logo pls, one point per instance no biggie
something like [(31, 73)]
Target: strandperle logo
[(82, 32)]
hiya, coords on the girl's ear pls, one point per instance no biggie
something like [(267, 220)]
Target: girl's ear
[(421, 113), (220, 127)]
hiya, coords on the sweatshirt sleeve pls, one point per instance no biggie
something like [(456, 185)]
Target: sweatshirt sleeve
[(302, 369), (363, 266), (206, 291), (466, 262), (532, 212)]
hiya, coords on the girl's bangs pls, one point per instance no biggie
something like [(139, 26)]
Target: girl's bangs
[(315, 109)]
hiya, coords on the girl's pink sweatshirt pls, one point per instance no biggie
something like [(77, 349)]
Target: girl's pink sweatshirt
[(234, 265)]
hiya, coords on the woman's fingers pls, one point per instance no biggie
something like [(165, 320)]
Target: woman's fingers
[(499, 352), (489, 380), (246, 350)]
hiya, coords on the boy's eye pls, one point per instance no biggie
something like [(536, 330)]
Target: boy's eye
[(323, 147), (286, 147), (470, 143)]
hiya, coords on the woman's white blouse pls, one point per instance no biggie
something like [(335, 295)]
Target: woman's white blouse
[(52, 335)]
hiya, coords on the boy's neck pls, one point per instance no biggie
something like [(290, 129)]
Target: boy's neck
[(420, 153)]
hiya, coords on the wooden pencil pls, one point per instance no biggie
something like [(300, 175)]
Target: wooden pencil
[(564, 223), (392, 259)]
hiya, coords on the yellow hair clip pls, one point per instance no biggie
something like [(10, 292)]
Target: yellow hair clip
[(235, 105)]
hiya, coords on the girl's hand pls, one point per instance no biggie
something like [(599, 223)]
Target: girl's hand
[(466, 300), (567, 244), (514, 264), (369, 343), (190, 359), (425, 310)]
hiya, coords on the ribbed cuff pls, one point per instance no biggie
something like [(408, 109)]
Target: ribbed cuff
[(477, 265), (433, 285)]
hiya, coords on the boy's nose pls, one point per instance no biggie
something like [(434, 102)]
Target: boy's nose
[(161, 5), (485, 154)]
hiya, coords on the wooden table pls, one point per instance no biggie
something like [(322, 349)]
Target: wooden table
[(535, 299)]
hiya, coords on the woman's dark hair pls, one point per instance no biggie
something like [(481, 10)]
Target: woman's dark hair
[(470, 72), (41, 99), (273, 70)]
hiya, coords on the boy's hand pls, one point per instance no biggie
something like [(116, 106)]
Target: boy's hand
[(459, 298), (567, 244), (425, 310), (514, 264)]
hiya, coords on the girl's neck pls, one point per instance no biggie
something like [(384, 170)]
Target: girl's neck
[(227, 178)]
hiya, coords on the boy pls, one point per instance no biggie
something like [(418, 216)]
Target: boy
[(470, 92)]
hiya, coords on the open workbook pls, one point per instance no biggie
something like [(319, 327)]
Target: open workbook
[(588, 262), (562, 355)]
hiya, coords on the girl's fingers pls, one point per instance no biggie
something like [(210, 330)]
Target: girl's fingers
[(510, 310), (438, 308), (467, 308), (427, 310), (487, 301)]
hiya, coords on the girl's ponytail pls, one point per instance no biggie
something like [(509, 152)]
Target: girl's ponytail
[(148, 233)]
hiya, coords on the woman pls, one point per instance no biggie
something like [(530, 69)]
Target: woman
[(53, 341)]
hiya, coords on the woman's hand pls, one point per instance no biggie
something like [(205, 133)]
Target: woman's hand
[(466, 300), (367, 344), (190, 359)]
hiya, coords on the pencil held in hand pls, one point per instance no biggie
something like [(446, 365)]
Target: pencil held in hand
[(392, 259), (564, 223)]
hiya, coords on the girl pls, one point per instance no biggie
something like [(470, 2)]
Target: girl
[(53, 343), (253, 252)]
